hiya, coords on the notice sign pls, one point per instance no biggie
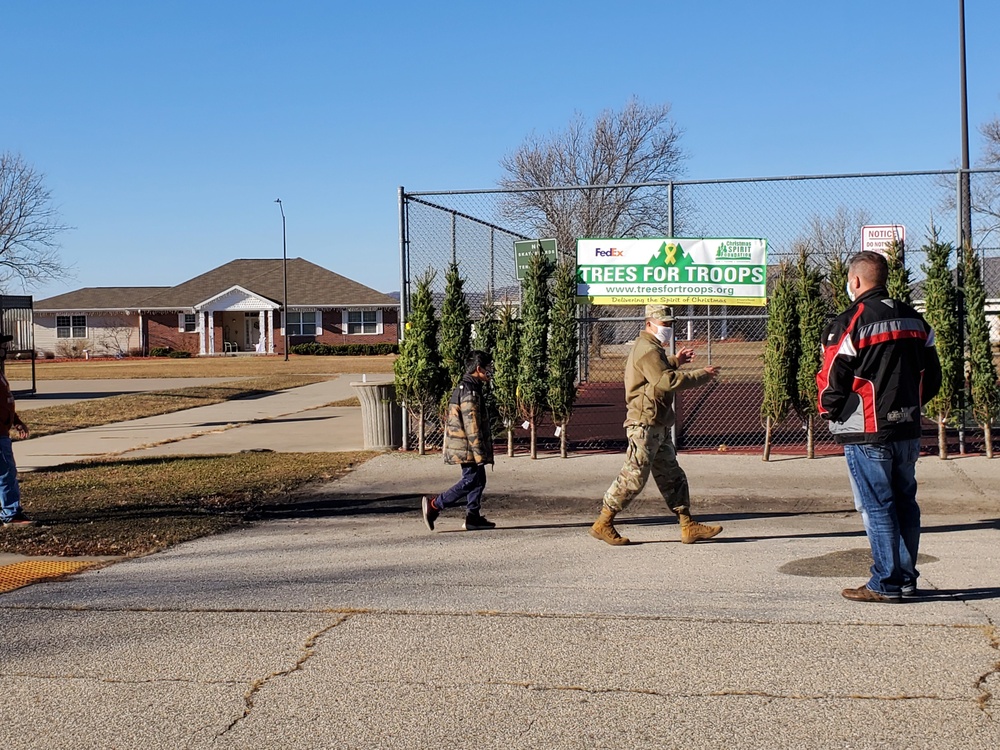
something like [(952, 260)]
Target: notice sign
[(525, 249), (672, 271), (878, 237)]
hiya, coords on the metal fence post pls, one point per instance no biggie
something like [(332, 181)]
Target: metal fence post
[(403, 299)]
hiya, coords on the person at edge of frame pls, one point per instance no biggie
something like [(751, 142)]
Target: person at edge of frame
[(468, 442), (11, 512), (880, 367), (651, 379)]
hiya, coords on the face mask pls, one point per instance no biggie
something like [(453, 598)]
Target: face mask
[(662, 333), (850, 292)]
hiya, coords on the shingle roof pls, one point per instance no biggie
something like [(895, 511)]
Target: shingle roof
[(309, 285), (99, 298)]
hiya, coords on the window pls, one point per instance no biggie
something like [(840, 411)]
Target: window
[(302, 323), (190, 323), (71, 326), (362, 321)]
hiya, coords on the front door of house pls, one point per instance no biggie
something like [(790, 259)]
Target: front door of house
[(251, 331)]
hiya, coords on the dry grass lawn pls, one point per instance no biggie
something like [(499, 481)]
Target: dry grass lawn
[(138, 506), (196, 367)]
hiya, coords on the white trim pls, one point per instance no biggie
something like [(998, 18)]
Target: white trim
[(319, 322), (257, 301), (345, 323)]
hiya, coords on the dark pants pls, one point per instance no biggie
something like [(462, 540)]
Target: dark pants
[(470, 488)]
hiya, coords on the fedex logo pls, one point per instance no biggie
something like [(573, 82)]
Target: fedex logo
[(610, 253)]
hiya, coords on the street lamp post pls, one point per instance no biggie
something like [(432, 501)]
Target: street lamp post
[(284, 276)]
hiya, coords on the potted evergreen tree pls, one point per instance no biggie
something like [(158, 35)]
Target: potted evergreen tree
[(983, 372), (533, 366), (563, 350), (941, 312), (781, 353)]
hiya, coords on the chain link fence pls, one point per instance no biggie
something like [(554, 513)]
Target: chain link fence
[(823, 214)]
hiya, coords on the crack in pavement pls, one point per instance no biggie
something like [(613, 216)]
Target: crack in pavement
[(308, 649), (728, 693), (116, 681)]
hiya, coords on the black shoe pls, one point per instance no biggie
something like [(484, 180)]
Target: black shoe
[(475, 522), (19, 519), (912, 592), (430, 512)]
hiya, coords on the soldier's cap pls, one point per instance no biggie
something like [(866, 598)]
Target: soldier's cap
[(660, 312)]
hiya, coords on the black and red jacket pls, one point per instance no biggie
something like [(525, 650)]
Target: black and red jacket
[(879, 368)]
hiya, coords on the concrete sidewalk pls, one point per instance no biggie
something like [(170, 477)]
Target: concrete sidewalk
[(341, 622), (290, 420), (351, 626)]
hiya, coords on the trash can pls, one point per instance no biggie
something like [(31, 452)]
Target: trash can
[(381, 416)]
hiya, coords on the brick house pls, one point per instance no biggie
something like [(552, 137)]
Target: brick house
[(233, 308)]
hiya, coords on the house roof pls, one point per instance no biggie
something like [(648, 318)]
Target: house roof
[(309, 285), (99, 298)]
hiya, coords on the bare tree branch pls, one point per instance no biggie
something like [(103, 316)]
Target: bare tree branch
[(636, 145), (29, 226)]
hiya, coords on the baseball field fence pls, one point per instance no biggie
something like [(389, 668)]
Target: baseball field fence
[(825, 214)]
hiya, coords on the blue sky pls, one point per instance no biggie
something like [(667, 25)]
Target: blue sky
[(166, 130)]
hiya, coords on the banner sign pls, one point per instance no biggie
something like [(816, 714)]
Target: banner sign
[(672, 271)]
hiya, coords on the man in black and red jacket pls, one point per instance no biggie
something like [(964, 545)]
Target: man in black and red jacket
[(879, 368)]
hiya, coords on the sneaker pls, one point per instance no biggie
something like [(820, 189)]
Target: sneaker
[(912, 592), (19, 519), (429, 511), (865, 594), (475, 521)]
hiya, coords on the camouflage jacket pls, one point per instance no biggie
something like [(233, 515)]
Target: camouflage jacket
[(651, 377), (467, 438)]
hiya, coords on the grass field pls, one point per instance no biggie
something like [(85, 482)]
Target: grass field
[(137, 506), (196, 367)]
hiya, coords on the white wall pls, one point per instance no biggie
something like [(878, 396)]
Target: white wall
[(106, 334)]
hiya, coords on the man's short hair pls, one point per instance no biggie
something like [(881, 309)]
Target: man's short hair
[(872, 267), (477, 358)]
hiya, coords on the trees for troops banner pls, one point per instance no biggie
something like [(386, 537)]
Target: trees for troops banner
[(672, 271)]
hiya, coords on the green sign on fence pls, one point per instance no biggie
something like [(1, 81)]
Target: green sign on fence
[(524, 249)]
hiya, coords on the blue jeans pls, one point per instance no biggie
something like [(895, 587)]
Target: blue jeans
[(470, 488), (10, 491), (883, 478)]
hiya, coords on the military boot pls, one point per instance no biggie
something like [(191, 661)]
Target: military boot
[(604, 528), (692, 531)]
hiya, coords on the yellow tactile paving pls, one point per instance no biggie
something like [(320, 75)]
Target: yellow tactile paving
[(19, 574)]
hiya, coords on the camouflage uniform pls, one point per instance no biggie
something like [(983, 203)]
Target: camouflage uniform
[(651, 378)]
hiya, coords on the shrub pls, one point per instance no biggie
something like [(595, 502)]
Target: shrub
[(348, 350), (179, 355), (135, 352), (72, 348), (160, 351)]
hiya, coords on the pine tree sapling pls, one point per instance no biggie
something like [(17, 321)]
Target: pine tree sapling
[(985, 394), (505, 369), (898, 284), (456, 327), (941, 312), (836, 270), (781, 353), (533, 368), (485, 331), (420, 379), (563, 349), (812, 309)]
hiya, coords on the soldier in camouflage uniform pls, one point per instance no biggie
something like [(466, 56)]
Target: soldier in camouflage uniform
[(651, 377), (469, 443)]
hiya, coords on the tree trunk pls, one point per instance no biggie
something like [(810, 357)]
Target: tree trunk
[(562, 440), (510, 443), (988, 434), (942, 438), (420, 433), (767, 441), (810, 437), (534, 434)]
